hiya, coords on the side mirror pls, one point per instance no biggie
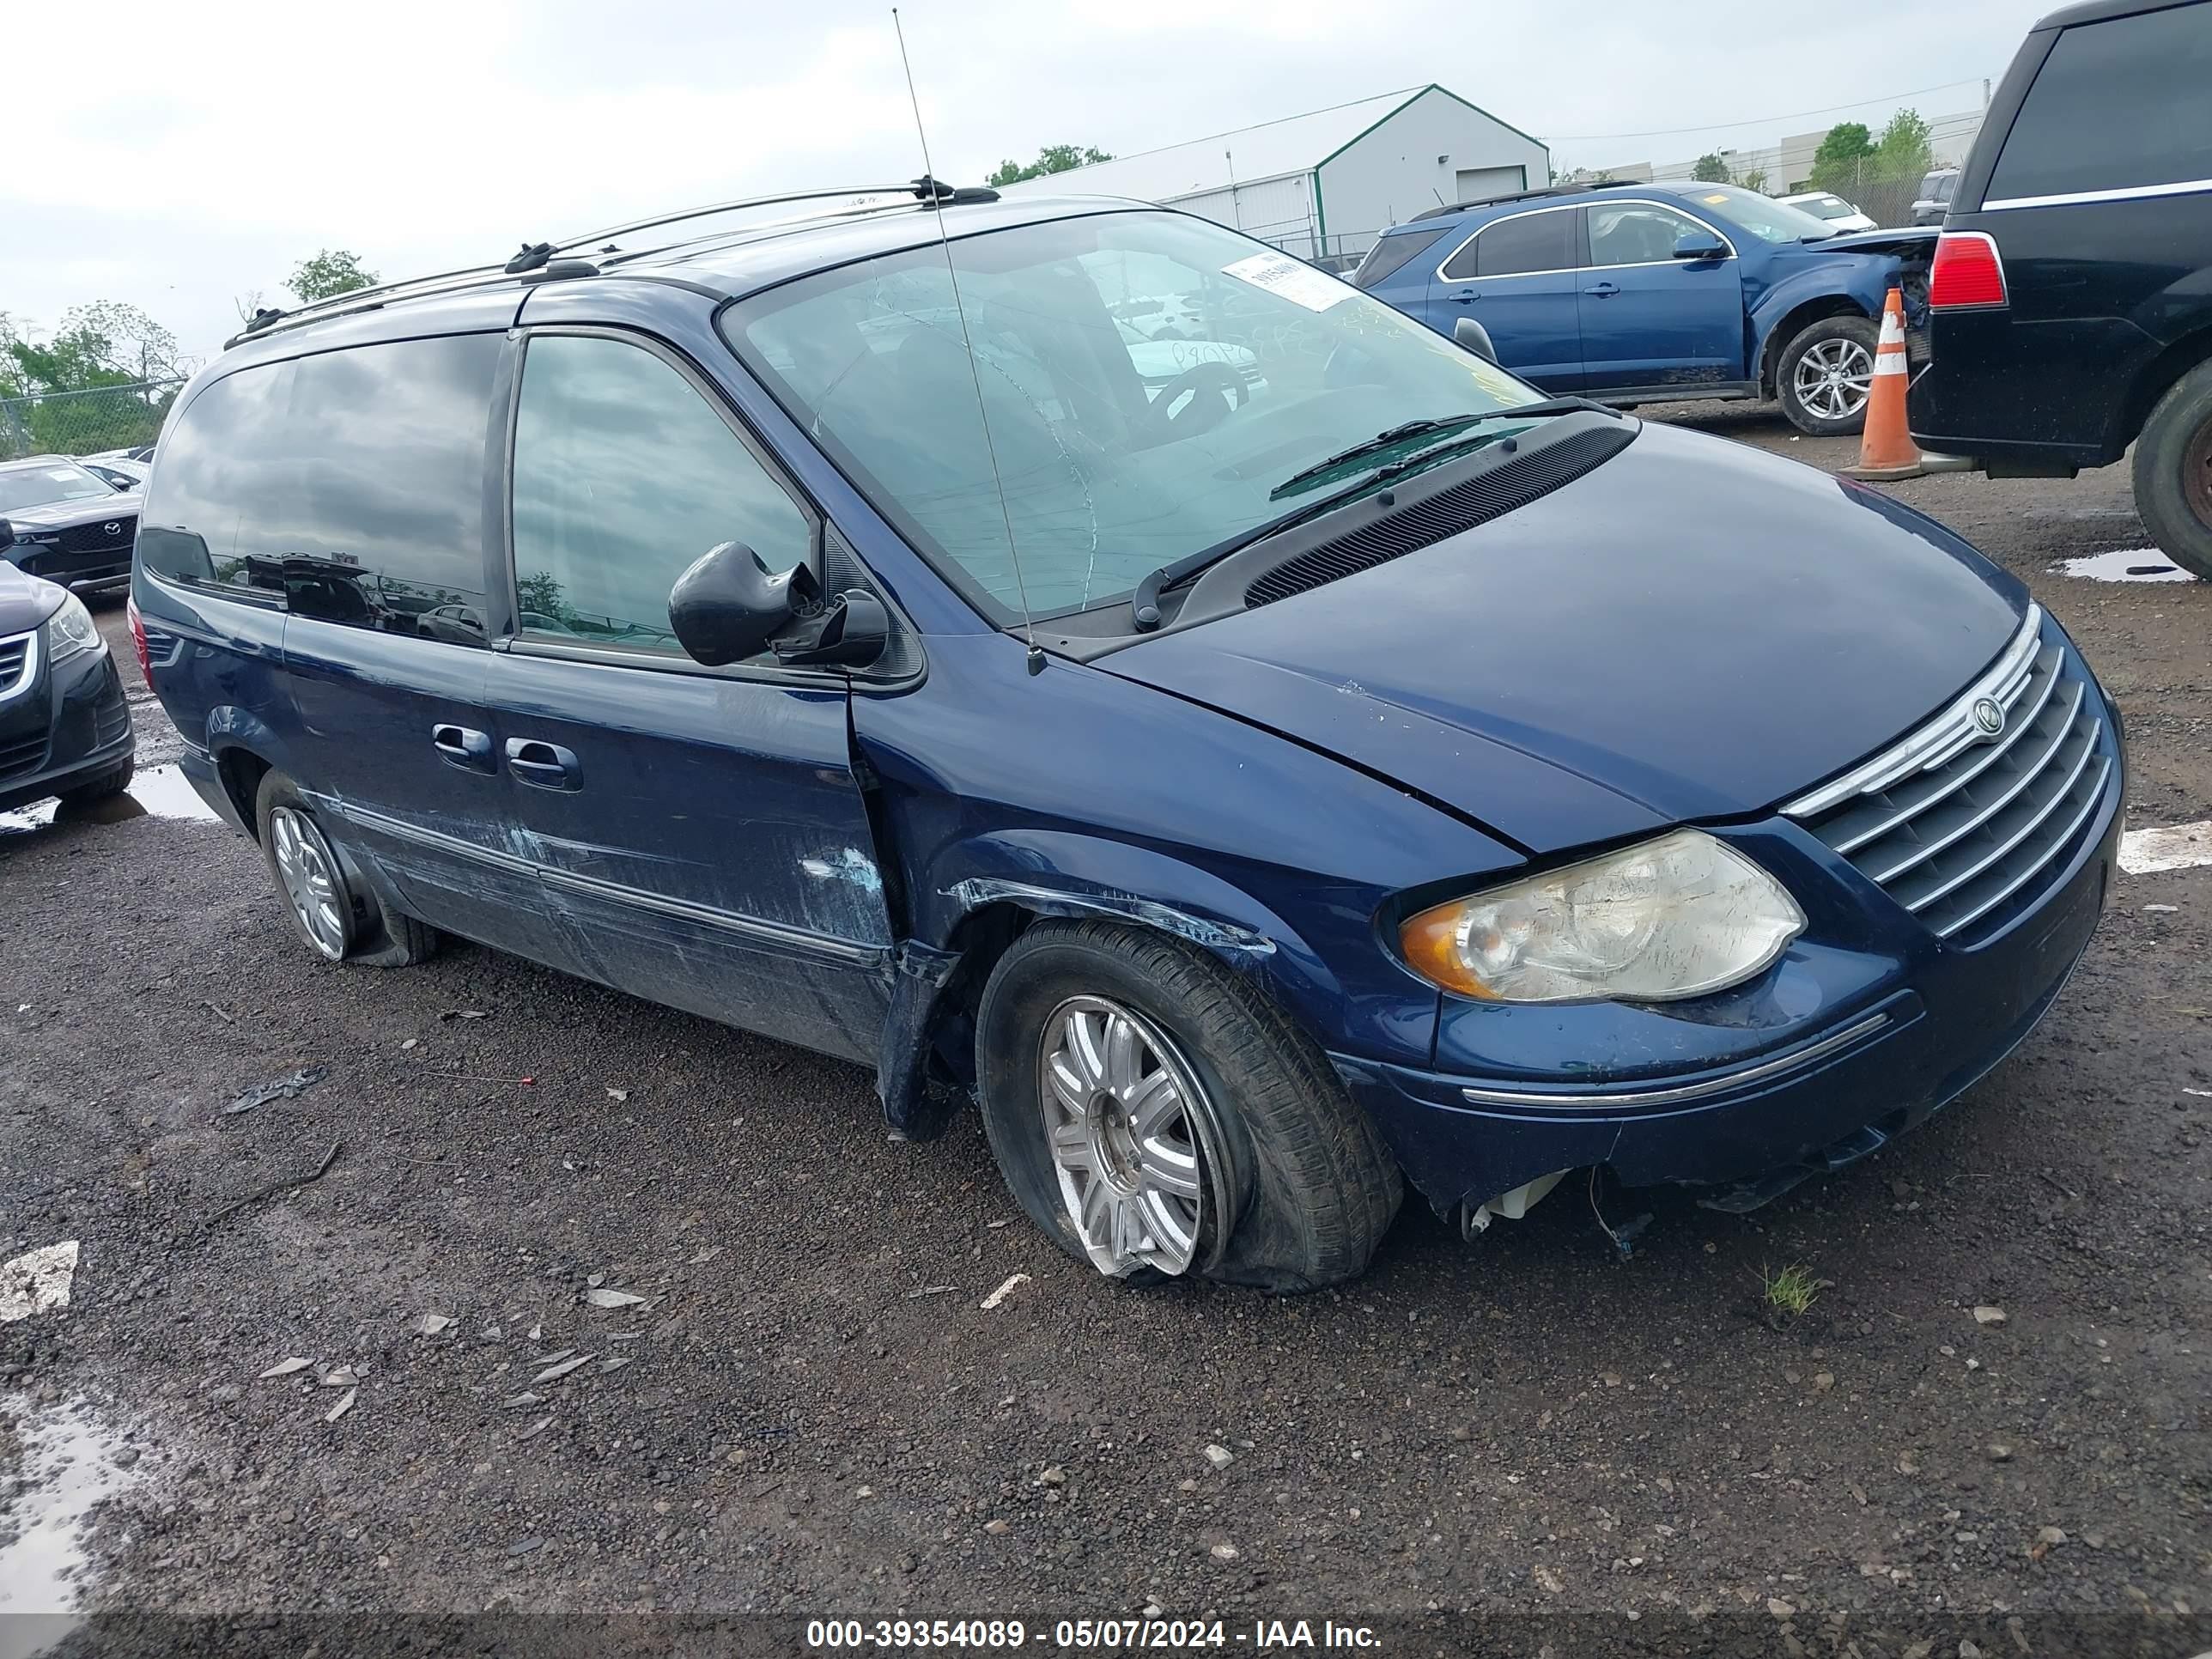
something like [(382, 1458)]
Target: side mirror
[(728, 605), (7, 535), (124, 486), (1475, 338), (851, 633), (1699, 245)]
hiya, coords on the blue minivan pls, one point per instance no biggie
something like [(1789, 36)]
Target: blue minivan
[(1254, 790), (1655, 293)]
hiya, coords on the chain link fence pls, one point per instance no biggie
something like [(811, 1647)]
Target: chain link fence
[(85, 423), (1884, 198)]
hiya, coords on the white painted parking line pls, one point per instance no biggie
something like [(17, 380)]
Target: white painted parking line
[(2183, 847), (2133, 564)]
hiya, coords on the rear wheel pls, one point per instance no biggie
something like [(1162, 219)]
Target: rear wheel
[(1159, 1117), (1826, 376), (2174, 472), (335, 915)]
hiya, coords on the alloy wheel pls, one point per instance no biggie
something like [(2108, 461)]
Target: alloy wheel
[(309, 872), (1832, 379), (1134, 1141)]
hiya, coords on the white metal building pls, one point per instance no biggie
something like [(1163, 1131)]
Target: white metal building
[(1330, 180)]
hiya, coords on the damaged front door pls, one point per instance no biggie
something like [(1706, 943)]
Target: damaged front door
[(700, 834)]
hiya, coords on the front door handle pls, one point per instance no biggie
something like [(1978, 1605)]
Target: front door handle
[(1465, 296), (1604, 290), (545, 765), (458, 746)]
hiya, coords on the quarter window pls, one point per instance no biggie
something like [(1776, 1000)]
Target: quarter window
[(212, 509), (1513, 247), (1636, 233), (2116, 105), (624, 475)]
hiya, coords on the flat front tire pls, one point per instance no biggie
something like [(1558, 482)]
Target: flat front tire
[(1160, 1117), (2174, 472), (333, 914)]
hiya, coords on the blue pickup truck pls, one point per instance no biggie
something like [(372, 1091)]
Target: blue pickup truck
[(1656, 293)]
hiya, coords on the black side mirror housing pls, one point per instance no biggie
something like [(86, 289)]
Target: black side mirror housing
[(1697, 245), (1475, 338), (850, 633), (7, 535), (728, 605)]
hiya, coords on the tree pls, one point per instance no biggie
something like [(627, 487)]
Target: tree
[(104, 343), (1053, 158), (1711, 169), (1754, 179), (246, 304), (1843, 152), (332, 271), (1904, 151)]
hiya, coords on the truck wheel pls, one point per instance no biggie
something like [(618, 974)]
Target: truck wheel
[(337, 915), (2174, 472), (1157, 1115), (1826, 374)]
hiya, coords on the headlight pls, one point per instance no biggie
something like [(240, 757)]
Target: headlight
[(70, 630), (1674, 917)]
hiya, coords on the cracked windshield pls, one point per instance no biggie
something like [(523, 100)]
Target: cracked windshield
[(1151, 384)]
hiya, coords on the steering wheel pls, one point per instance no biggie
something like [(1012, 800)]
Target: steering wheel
[(1204, 410)]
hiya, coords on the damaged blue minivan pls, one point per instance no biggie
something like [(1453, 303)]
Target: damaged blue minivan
[(1259, 773)]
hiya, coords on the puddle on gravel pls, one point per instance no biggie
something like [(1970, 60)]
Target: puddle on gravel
[(163, 792), (2134, 564), (69, 1463)]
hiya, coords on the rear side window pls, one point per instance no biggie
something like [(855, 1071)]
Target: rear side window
[(350, 483), (1512, 248), (384, 461), (212, 514), (2116, 105), (624, 475), (1393, 253)]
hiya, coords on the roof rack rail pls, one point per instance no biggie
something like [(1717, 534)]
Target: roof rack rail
[(539, 256), (1517, 196)]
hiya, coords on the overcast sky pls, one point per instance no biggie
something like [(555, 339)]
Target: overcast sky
[(179, 155)]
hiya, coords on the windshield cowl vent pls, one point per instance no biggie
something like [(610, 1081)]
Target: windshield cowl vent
[(1537, 469)]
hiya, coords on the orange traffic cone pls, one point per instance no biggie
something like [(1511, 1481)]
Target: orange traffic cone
[(1886, 446)]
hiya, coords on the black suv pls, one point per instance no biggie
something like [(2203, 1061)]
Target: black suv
[(2070, 301), (66, 524)]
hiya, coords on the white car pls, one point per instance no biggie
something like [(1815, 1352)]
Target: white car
[(117, 469), (1834, 209)]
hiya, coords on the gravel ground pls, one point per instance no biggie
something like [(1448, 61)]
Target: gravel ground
[(812, 1410)]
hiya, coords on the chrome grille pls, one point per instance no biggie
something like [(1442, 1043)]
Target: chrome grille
[(16, 664), (1955, 820)]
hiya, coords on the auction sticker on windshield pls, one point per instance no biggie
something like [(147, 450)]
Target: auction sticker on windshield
[(1295, 280)]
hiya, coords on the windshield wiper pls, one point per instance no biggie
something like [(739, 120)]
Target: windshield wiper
[(1145, 603), (1376, 445)]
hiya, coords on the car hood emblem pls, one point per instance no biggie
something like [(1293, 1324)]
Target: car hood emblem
[(1989, 716)]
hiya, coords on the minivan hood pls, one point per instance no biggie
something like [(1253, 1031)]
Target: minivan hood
[(1693, 630)]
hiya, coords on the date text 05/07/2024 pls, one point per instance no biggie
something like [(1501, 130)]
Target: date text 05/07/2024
[(1138, 1634)]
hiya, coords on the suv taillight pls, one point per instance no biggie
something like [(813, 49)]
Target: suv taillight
[(1967, 272), (138, 643)]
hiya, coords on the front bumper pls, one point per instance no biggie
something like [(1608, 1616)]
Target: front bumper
[(1879, 1063), (70, 725)]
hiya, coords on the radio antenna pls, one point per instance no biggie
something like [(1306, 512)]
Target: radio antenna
[(936, 192)]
